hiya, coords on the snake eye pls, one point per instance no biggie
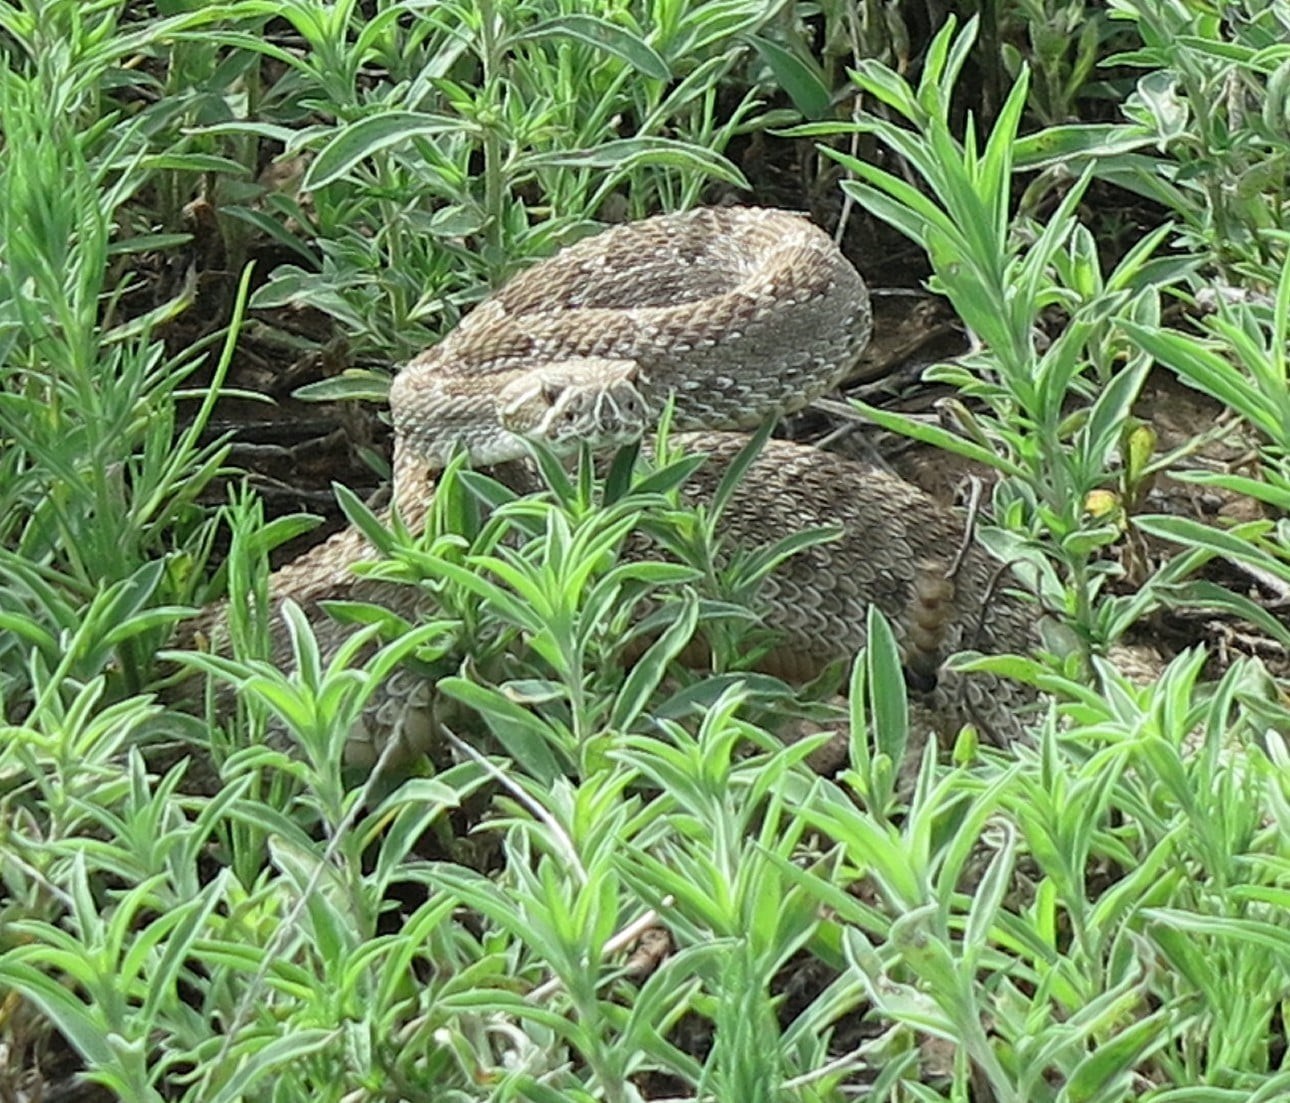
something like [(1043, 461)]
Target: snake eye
[(551, 393)]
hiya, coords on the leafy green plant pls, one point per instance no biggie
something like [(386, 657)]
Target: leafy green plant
[(299, 932), (1205, 136), (1054, 415), (1116, 810), (1240, 359), (1062, 42), (131, 90), (1097, 916), (497, 132), (559, 594), (1216, 100), (290, 964), (100, 483)]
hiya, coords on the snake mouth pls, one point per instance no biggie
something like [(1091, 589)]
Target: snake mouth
[(587, 399)]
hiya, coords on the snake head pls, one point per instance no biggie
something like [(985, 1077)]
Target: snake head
[(592, 399)]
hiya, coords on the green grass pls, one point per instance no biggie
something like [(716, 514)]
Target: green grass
[(1098, 914)]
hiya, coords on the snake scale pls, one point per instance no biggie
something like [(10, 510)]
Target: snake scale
[(735, 315)]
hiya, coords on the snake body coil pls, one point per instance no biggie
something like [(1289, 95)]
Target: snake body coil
[(735, 315)]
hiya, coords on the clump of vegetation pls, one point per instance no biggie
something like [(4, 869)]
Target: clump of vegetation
[(633, 887)]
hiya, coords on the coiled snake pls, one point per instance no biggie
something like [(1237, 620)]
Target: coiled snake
[(736, 315)]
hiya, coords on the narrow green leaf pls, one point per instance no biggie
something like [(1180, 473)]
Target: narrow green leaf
[(1234, 543), (35, 635), (996, 160), (652, 667), (375, 529), (604, 35), (192, 162), (888, 87), (941, 438), (353, 384), (626, 154), (80, 1025), (801, 77), (1277, 496), (1106, 421), (988, 897), (1076, 146), (1209, 595), (734, 474), (1205, 370), (502, 600), (283, 1051), (525, 737), (356, 141), (1105, 1075), (189, 922)]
